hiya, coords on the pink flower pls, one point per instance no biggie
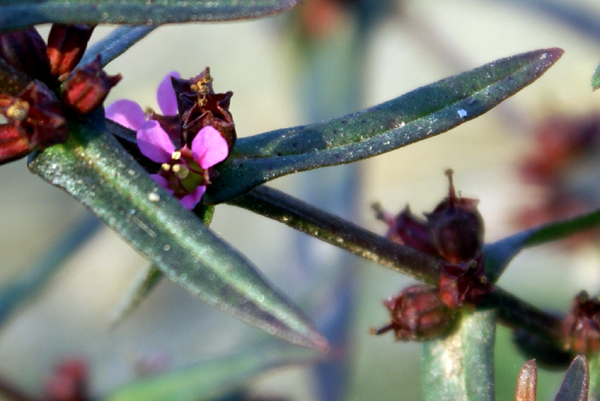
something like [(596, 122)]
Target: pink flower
[(184, 171)]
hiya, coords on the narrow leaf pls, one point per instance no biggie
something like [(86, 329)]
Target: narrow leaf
[(527, 382), (461, 366), (15, 14), (575, 384), (596, 78), (415, 116), (149, 278), (500, 253), (97, 171), (210, 379), (115, 44), (144, 283), (595, 378)]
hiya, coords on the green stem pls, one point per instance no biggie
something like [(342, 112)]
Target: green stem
[(595, 378), (460, 367), (336, 231)]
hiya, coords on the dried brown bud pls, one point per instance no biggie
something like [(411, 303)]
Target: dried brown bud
[(456, 227), (87, 88), (199, 106), (417, 313), (464, 284), (66, 45), (407, 229), (36, 116), (25, 51), (582, 325)]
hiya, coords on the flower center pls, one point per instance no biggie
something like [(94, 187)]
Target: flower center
[(183, 173)]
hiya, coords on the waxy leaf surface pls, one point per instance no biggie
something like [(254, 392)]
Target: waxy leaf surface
[(115, 44), (576, 383), (417, 115), (461, 365), (499, 254), (15, 14), (97, 171)]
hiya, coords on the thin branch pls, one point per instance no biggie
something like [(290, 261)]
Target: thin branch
[(336, 231)]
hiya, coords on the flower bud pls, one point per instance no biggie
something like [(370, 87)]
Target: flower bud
[(456, 227), (25, 51), (199, 106), (87, 88), (34, 115), (582, 325), (66, 45), (417, 313), (13, 144), (464, 284), (407, 229)]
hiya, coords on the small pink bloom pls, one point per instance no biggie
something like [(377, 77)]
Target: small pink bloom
[(183, 171), (154, 142)]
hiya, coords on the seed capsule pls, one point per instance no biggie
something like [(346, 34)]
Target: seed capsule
[(417, 313)]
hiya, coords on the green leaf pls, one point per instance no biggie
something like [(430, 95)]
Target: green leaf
[(115, 44), (499, 254), (596, 78), (208, 380), (96, 170), (595, 377), (415, 116), (576, 382), (149, 278), (460, 367), (15, 14)]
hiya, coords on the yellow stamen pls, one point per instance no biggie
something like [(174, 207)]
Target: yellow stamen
[(18, 110), (176, 155), (166, 166)]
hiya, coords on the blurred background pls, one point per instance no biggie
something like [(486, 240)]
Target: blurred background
[(324, 59)]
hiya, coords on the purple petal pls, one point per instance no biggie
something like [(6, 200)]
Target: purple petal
[(193, 198), (209, 147), (162, 181), (154, 142), (165, 95), (127, 113)]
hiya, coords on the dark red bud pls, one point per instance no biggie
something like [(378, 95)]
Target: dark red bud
[(87, 88), (66, 45), (35, 115), (464, 284), (25, 51), (582, 325), (199, 106), (456, 227), (417, 313), (13, 144), (409, 230)]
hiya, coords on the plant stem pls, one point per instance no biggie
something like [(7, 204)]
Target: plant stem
[(336, 231)]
